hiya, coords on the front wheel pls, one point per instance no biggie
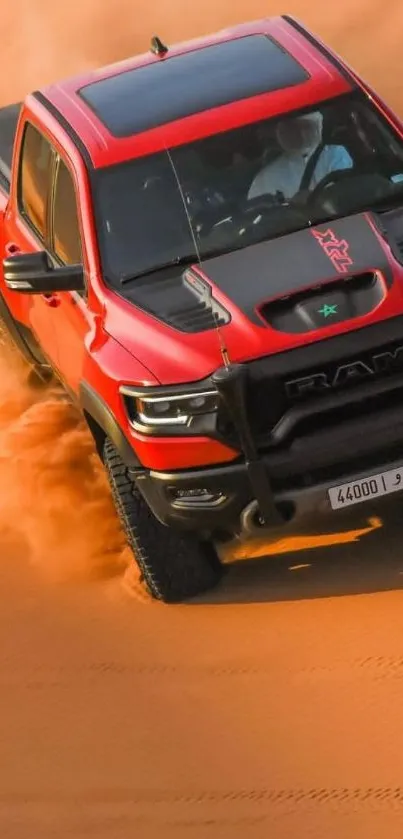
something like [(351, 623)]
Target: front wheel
[(174, 566)]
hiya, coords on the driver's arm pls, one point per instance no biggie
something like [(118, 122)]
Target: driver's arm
[(270, 180)]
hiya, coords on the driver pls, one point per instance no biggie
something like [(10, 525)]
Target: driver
[(298, 139)]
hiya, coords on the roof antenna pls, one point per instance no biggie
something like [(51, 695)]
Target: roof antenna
[(223, 347), (157, 46)]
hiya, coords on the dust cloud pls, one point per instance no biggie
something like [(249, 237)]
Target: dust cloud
[(53, 491)]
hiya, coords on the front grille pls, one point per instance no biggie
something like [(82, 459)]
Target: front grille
[(268, 401), (346, 465), (355, 428), (367, 406)]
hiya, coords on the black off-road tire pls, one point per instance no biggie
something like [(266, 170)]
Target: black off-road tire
[(174, 566)]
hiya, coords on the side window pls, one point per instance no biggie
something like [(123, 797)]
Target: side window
[(66, 231), (35, 174)]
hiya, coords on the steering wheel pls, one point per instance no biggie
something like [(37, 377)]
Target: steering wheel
[(327, 181)]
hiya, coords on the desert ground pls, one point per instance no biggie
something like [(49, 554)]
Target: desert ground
[(270, 708)]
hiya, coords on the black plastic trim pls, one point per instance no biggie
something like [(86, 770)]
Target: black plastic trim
[(230, 480), (96, 409)]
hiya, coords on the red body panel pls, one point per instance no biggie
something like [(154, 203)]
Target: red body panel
[(107, 341)]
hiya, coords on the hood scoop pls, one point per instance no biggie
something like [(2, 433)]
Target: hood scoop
[(343, 258), (326, 305)]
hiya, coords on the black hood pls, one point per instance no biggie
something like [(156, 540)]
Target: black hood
[(296, 283), (306, 267)]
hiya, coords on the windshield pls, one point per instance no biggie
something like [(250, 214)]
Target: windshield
[(239, 187)]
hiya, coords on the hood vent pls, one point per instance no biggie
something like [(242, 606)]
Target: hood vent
[(181, 300), (196, 318), (329, 304)]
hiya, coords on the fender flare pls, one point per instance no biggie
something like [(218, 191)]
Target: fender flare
[(97, 411)]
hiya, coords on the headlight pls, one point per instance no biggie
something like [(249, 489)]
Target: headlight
[(156, 409)]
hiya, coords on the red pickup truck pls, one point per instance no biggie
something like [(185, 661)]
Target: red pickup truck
[(205, 245)]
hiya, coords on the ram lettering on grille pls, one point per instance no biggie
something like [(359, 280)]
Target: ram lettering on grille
[(382, 363)]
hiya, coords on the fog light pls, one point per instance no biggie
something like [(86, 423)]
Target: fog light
[(195, 497)]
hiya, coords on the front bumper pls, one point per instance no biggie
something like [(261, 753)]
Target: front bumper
[(298, 478), (323, 442), (232, 509)]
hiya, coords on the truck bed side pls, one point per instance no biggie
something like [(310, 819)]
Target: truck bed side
[(8, 125)]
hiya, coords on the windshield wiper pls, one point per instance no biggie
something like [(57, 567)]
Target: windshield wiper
[(187, 259), (184, 259)]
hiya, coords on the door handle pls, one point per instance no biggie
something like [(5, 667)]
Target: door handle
[(52, 300), (11, 249)]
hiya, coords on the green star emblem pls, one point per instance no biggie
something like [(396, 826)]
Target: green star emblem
[(327, 311)]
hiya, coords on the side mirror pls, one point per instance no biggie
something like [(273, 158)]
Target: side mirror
[(33, 273)]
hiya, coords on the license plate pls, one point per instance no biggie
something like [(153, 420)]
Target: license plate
[(366, 488)]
